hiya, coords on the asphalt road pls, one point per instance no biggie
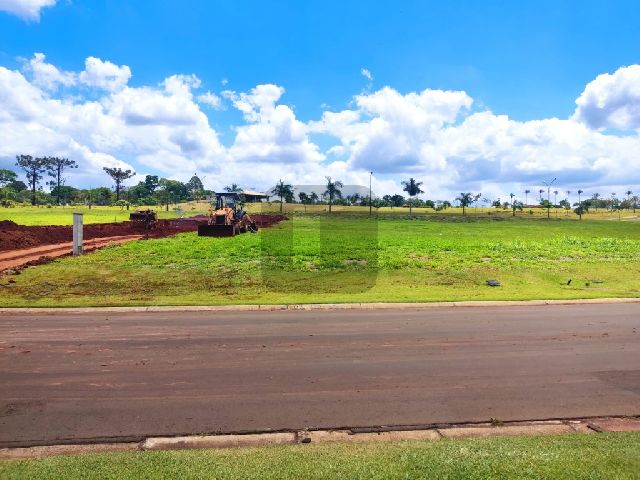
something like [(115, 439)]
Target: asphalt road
[(122, 376)]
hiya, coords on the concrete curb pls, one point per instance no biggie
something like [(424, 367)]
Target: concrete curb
[(318, 306), (54, 450), (219, 441), (371, 434)]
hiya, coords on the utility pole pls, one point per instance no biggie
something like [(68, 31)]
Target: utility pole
[(548, 185), (77, 234), (370, 199)]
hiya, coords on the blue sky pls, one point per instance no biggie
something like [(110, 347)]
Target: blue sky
[(529, 61)]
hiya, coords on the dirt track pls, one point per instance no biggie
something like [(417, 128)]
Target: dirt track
[(17, 259), (22, 245), (127, 375), (13, 236)]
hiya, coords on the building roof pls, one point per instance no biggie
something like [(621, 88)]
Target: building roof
[(254, 193)]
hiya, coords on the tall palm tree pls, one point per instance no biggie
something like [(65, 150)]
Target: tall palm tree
[(555, 201), (333, 190), (526, 196), (282, 190), (596, 197), (541, 191), (465, 200), (513, 207), (412, 188), (580, 192), (628, 193)]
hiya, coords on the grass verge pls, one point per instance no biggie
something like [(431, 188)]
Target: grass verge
[(574, 456), (348, 258)]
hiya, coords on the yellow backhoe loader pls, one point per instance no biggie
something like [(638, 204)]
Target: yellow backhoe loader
[(227, 218)]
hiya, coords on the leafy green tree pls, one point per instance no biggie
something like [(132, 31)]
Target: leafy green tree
[(581, 208), (333, 190), (442, 205), (195, 187), (17, 186), (171, 191), (99, 196), (628, 193), (7, 177), (151, 183), (353, 199), (305, 199), (314, 198), (397, 200), (138, 194), (512, 195), (412, 188), (118, 175), (56, 167), (516, 205), (282, 190), (233, 188), (34, 169), (65, 194)]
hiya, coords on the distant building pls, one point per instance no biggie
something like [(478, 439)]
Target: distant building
[(252, 196)]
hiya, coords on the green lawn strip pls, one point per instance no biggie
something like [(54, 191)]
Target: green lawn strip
[(574, 456), (64, 215), (53, 215), (314, 259)]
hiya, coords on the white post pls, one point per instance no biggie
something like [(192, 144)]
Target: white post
[(77, 234)]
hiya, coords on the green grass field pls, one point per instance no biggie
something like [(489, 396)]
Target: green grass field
[(349, 258), (64, 215), (572, 457)]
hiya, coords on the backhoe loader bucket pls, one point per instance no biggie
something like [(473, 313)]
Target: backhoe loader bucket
[(216, 230)]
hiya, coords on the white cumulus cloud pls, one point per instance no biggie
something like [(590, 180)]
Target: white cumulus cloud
[(152, 126), (440, 137), (26, 9), (434, 136), (273, 134), (611, 100), (104, 74), (47, 75), (211, 99)]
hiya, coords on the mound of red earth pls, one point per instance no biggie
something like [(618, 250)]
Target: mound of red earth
[(14, 236)]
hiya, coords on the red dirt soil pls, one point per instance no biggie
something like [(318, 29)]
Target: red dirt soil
[(14, 237)]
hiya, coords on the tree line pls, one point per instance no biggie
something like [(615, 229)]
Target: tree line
[(51, 172), (332, 195), (157, 191)]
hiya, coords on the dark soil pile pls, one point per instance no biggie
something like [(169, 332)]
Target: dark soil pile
[(14, 236)]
